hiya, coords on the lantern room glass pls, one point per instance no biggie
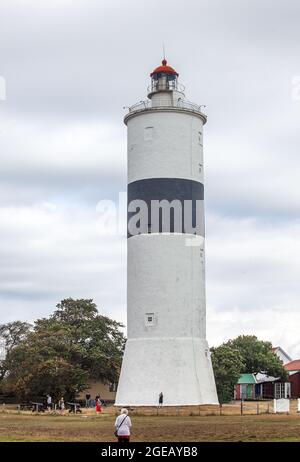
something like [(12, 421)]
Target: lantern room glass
[(163, 81)]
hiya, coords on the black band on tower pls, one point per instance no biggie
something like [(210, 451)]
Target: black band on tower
[(187, 194)]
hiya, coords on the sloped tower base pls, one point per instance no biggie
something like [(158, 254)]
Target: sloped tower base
[(180, 368)]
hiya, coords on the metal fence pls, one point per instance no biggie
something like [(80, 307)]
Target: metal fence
[(238, 408), (163, 103), (241, 408)]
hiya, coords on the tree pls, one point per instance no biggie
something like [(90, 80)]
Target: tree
[(64, 351), (244, 354), (227, 365), (258, 356), (95, 341), (11, 335)]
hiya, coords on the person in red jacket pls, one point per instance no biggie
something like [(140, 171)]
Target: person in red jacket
[(98, 405)]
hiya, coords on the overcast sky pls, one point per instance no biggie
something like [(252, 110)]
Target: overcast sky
[(69, 68)]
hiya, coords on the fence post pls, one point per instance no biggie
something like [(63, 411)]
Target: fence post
[(241, 407), (220, 408), (257, 409)]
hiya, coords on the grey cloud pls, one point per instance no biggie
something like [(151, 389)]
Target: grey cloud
[(70, 67)]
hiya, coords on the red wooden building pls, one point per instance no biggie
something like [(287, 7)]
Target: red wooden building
[(261, 386), (293, 368)]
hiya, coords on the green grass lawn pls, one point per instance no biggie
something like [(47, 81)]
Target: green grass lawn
[(31, 427)]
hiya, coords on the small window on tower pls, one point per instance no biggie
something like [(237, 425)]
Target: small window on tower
[(200, 138), (148, 133), (149, 319)]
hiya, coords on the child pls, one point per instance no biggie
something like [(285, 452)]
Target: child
[(61, 405)]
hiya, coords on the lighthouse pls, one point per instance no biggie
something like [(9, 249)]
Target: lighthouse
[(166, 350)]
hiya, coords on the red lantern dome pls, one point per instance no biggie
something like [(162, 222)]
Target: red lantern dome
[(164, 69)]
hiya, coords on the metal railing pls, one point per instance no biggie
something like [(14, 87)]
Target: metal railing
[(180, 104)]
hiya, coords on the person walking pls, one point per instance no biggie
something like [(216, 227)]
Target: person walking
[(87, 400), (123, 426), (98, 405), (49, 403), (61, 405), (160, 399)]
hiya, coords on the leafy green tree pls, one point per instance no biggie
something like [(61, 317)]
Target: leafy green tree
[(95, 342), (258, 356), (244, 354), (64, 351), (11, 335), (227, 365)]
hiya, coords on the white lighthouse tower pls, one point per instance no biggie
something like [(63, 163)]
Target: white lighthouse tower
[(166, 350)]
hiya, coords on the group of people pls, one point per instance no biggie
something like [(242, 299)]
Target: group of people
[(62, 407), (91, 403), (123, 422), (61, 404)]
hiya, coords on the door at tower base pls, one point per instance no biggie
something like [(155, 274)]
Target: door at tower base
[(180, 368)]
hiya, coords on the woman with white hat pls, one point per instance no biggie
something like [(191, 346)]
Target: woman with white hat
[(123, 426)]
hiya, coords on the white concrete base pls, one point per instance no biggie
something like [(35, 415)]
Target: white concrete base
[(179, 367)]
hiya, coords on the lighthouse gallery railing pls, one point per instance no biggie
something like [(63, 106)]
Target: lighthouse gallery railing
[(181, 103)]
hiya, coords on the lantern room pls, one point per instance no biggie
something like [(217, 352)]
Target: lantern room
[(163, 78)]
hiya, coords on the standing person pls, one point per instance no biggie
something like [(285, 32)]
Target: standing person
[(160, 399), (123, 426), (87, 400), (98, 405), (61, 405), (49, 402)]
